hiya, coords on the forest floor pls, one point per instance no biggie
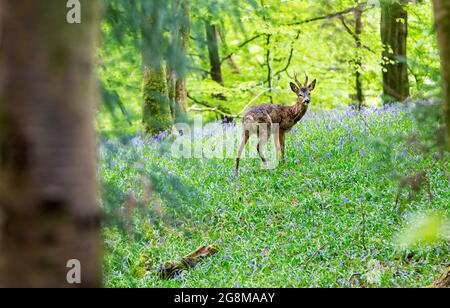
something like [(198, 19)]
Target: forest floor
[(327, 218)]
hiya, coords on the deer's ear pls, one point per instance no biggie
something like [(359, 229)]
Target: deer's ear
[(294, 87), (312, 86)]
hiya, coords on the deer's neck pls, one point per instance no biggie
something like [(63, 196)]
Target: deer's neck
[(298, 111)]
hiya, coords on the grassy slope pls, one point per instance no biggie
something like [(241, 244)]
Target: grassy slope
[(326, 218)]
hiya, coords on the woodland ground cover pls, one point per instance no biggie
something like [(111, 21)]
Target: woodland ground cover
[(325, 218)]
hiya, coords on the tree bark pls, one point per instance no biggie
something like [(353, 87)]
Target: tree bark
[(48, 194), (358, 32), (156, 111), (269, 67), (171, 82), (442, 17), (180, 84), (213, 50), (394, 33)]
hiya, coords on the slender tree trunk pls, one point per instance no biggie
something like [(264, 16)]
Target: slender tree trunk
[(394, 33), (48, 194), (156, 111), (171, 90), (269, 67), (213, 50), (358, 32), (180, 85), (442, 16)]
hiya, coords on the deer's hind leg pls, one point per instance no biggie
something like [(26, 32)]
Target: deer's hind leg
[(263, 138), (245, 138), (276, 141), (282, 136)]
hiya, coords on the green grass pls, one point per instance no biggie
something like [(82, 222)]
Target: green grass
[(326, 218)]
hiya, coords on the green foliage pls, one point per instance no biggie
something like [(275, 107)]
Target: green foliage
[(427, 228), (323, 48), (326, 218)]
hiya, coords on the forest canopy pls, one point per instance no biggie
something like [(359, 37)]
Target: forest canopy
[(260, 44)]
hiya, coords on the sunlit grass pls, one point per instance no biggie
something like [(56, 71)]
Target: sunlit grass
[(326, 218)]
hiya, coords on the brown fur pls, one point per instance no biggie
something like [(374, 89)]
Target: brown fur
[(285, 116)]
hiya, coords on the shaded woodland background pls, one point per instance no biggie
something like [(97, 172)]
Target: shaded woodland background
[(161, 62)]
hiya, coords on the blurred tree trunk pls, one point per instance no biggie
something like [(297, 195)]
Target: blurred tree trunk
[(213, 50), (394, 34), (156, 112), (442, 17), (48, 191)]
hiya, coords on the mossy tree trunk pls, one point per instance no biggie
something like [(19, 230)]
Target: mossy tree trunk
[(156, 111), (394, 34), (48, 194), (442, 16), (156, 114)]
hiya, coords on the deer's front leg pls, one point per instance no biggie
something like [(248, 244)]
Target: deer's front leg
[(283, 145)]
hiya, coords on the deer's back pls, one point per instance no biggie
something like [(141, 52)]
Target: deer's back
[(267, 113)]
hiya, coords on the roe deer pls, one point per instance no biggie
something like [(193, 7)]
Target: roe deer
[(284, 116)]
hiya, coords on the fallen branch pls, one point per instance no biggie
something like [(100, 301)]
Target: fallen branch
[(172, 268), (444, 280)]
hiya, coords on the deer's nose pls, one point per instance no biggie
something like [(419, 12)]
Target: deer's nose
[(307, 101)]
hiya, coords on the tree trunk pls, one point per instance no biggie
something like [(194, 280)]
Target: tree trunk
[(180, 84), (358, 32), (394, 33), (156, 114), (442, 17), (48, 194), (171, 90), (213, 50), (156, 111), (269, 67)]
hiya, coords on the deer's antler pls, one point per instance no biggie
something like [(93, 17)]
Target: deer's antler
[(306, 80), (296, 80)]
